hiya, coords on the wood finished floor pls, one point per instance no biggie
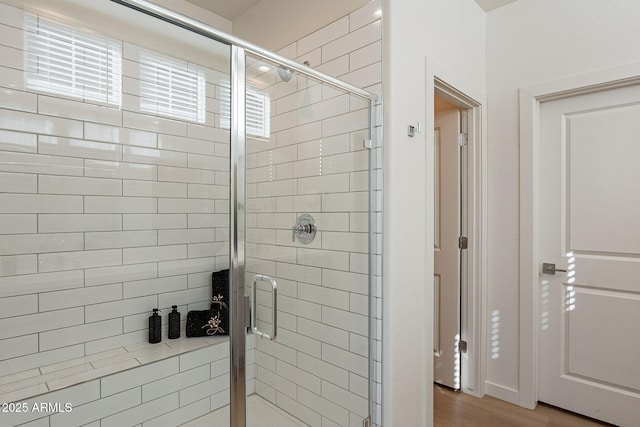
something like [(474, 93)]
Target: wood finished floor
[(458, 409)]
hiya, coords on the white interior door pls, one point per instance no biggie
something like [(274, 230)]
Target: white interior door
[(589, 222), (446, 252)]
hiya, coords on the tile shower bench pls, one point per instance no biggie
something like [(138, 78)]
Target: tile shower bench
[(142, 384)]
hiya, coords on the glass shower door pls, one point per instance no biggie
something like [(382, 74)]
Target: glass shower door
[(307, 250)]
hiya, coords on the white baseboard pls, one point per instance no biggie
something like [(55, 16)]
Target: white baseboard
[(502, 392)]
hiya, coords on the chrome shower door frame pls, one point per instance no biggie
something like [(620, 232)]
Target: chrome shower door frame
[(237, 237)]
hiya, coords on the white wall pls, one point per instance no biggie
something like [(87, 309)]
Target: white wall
[(449, 36), (529, 42)]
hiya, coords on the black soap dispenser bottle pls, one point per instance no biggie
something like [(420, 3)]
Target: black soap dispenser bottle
[(174, 323), (155, 327)]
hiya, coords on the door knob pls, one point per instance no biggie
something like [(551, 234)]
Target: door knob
[(549, 268)]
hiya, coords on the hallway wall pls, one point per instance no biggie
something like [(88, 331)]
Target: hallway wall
[(414, 50), (530, 42)]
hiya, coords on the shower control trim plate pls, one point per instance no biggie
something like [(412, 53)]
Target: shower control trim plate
[(304, 229)]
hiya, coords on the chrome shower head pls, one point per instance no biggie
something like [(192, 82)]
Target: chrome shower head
[(285, 73)]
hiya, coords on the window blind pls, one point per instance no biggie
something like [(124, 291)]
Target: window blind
[(65, 61), (258, 111), (170, 88)]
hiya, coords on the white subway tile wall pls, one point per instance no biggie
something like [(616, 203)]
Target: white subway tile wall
[(105, 213)]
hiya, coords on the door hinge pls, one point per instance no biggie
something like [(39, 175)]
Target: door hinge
[(366, 422), (463, 242), (462, 139), (462, 345), (367, 143)]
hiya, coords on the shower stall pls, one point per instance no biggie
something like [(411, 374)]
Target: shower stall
[(142, 151)]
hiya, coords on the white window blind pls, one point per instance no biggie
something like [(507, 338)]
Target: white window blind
[(170, 88), (258, 111), (65, 61)]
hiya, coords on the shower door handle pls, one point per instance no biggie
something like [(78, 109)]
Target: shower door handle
[(274, 304)]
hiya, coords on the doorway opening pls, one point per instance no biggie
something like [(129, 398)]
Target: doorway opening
[(449, 253), (458, 244)]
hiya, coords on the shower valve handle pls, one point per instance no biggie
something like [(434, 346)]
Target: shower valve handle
[(302, 229), (305, 229)]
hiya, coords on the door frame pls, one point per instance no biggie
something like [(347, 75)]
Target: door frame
[(473, 277), (530, 99)]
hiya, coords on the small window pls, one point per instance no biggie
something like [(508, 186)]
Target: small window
[(258, 107), (65, 61), (172, 88)]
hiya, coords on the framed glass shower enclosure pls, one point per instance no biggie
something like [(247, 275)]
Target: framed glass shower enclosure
[(196, 152)]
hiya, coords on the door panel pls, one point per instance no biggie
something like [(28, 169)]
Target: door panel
[(591, 340), (589, 217), (604, 140), (446, 252)]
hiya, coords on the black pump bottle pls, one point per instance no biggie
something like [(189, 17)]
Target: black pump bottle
[(155, 327), (174, 323)]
